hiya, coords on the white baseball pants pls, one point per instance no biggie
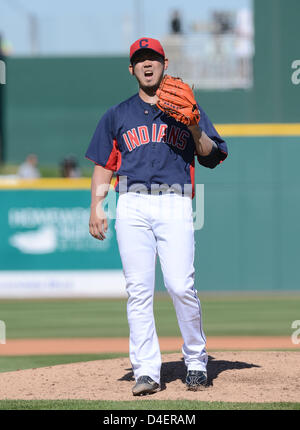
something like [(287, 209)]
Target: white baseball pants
[(147, 225)]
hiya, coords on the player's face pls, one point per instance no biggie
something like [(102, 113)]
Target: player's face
[(148, 68)]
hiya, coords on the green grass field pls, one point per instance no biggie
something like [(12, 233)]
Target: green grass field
[(228, 315), (19, 362), (175, 405)]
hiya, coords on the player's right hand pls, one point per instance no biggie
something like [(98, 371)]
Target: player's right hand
[(98, 223)]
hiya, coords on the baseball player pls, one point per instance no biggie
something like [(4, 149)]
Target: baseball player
[(150, 140)]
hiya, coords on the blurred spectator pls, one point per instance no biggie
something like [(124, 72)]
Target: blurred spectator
[(221, 26), (29, 168), (69, 168), (173, 41), (222, 22), (175, 23)]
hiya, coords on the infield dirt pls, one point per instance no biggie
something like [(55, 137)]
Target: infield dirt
[(241, 376), (121, 345)]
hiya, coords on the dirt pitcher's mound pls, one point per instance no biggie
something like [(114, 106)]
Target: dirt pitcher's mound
[(246, 376)]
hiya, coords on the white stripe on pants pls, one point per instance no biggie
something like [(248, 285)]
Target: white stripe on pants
[(147, 225)]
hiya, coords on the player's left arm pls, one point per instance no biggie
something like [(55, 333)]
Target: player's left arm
[(203, 143), (210, 148), (101, 180)]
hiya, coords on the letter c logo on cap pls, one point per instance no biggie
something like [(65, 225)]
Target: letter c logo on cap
[(144, 43)]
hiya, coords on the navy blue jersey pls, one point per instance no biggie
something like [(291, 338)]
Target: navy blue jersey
[(139, 142)]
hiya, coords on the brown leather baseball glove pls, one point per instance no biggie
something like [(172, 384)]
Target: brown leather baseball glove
[(176, 99)]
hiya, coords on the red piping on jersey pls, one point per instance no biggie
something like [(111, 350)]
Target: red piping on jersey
[(112, 162), (116, 182), (192, 174), (119, 162)]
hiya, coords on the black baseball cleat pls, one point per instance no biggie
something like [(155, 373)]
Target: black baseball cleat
[(196, 380), (145, 385)]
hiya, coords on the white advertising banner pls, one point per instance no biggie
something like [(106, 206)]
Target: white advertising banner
[(62, 284)]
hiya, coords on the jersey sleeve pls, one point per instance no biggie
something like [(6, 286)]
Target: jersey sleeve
[(218, 152), (103, 148)]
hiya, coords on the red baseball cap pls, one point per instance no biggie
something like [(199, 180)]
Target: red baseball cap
[(146, 43)]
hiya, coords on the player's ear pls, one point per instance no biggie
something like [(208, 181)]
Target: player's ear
[(131, 71), (166, 64)]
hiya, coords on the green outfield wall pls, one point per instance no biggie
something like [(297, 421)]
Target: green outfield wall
[(250, 236), (247, 230), (53, 104), (46, 249)]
